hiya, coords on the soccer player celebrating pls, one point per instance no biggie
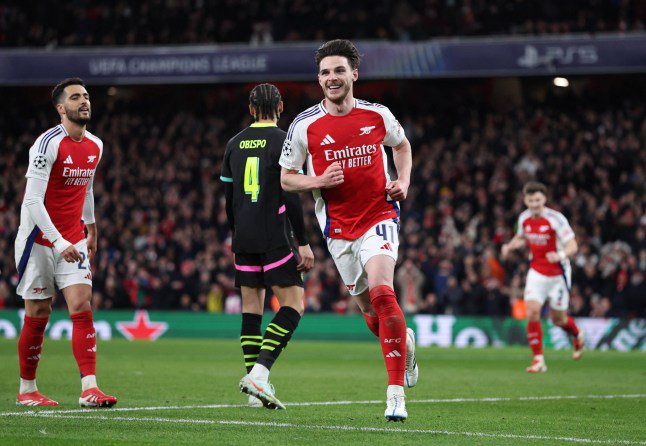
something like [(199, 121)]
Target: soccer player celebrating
[(551, 243), (256, 207), (341, 140), (51, 247)]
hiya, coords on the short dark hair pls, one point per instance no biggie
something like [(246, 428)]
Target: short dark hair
[(534, 186), (339, 47), (57, 92), (265, 99)]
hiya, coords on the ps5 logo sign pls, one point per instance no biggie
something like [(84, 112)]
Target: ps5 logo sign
[(551, 56)]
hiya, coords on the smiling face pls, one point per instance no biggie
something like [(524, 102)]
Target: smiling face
[(76, 104), (336, 78)]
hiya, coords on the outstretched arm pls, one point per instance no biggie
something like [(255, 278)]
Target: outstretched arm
[(515, 243)]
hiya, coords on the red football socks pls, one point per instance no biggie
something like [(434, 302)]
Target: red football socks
[(372, 322), (30, 345), (392, 332), (84, 342), (570, 327), (535, 337)]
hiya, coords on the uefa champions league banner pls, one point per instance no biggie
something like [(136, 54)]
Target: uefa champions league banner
[(442, 331), (465, 57)]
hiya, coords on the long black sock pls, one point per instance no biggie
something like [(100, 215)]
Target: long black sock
[(250, 338), (278, 333)]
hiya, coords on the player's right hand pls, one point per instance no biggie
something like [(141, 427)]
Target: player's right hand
[(307, 258), (71, 254), (333, 176)]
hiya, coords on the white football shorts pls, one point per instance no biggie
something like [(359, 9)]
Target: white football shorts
[(45, 270), (540, 287), (351, 256)]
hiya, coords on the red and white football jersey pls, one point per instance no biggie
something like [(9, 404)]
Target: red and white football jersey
[(357, 141), (68, 166), (549, 232)]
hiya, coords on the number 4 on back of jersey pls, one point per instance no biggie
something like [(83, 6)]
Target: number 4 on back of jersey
[(251, 177)]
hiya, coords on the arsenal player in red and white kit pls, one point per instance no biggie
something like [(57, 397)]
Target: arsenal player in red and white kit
[(551, 243), (341, 141), (51, 248)]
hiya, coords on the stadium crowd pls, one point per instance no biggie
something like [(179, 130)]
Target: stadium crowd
[(164, 238), (105, 22)]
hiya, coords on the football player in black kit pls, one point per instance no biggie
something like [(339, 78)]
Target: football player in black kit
[(257, 208)]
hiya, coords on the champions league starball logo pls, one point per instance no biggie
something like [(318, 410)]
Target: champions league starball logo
[(287, 149), (40, 162)]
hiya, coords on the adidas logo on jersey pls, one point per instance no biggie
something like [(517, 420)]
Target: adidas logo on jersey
[(394, 354), (68, 160), (327, 140), (387, 247)]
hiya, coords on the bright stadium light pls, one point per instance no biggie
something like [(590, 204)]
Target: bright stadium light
[(561, 82)]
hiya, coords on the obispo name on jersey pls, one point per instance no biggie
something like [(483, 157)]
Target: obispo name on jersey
[(77, 176), (253, 143), (353, 156)]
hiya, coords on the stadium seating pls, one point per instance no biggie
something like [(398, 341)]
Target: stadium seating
[(158, 22)]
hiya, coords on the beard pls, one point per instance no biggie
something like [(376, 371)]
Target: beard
[(338, 98), (75, 116)]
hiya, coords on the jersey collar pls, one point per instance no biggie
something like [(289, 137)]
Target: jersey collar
[(325, 111), (263, 124)]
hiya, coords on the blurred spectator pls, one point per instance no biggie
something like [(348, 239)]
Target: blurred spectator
[(635, 295), (408, 282), (600, 306), (430, 305), (451, 298)]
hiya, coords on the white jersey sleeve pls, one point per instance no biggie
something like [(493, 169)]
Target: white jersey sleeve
[(43, 154), (294, 153), (562, 227), (34, 202), (520, 230), (88, 204), (394, 131), (519, 225)]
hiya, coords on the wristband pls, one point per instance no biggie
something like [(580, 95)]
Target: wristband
[(561, 254), (61, 245)]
